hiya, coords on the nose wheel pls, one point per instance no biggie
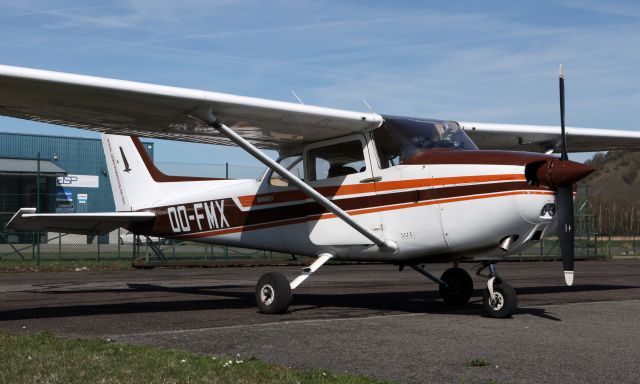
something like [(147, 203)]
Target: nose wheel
[(499, 298)]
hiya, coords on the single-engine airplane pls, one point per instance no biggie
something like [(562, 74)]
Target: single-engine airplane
[(346, 185)]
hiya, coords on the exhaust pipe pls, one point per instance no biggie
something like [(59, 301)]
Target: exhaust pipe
[(507, 242)]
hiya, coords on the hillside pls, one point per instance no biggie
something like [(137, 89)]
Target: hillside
[(616, 176), (614, 190)]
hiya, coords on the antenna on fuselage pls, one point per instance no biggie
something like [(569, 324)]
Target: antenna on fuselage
[(368, 106), (296, 96)]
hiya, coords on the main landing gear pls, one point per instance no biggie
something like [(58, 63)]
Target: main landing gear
[(456, 286), (274, 292)]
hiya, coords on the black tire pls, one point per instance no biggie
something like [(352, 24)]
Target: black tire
[(273, 293), (459, 288), (506, 302)]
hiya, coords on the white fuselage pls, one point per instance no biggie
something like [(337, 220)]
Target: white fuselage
[(432, 212)]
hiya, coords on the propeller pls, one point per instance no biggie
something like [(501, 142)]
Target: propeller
[(564, 202)]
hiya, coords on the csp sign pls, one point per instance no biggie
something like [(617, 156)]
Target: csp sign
[(77, 181)]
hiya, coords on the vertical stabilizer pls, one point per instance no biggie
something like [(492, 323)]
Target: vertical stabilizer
[(131, 182)]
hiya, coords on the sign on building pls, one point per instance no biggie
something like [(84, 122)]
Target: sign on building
[(63, 195), (82, 198), (78, 181)]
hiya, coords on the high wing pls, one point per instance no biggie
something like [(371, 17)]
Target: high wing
[(155, 111), (540, 138), (81, 223), (132, 108)]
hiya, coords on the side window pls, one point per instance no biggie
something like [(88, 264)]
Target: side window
[(336, 160), (291, 163), (386, 147)]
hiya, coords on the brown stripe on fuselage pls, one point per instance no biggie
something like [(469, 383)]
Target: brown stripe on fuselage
[(306, 211), (355, 213), (383, 186)]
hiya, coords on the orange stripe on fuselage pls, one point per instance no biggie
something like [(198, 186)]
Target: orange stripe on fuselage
[(353, 189), (359, 212)]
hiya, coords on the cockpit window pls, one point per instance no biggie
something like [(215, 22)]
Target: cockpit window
[(400, 139)]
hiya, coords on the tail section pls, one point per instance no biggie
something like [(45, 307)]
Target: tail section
[(131, 180), (137, 183)]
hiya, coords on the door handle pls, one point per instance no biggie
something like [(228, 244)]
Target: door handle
[(371, 179)]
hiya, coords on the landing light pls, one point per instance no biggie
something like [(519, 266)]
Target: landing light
[(548, 210)]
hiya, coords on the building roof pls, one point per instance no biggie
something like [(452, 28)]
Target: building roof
[(24, 167)]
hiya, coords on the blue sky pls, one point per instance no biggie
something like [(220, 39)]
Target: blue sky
[(489, 61)]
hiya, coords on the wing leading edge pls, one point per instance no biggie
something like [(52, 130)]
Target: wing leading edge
[(149, 110), (79, 223), (541, 138)]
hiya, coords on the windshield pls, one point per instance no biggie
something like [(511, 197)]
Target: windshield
[(400, 139)]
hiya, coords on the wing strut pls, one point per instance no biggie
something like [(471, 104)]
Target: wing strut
[(312, 193)]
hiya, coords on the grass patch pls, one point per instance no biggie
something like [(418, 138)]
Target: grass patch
[(45, 358), (478, 362)]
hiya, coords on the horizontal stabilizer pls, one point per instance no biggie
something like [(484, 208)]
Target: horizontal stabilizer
[(26, 219)]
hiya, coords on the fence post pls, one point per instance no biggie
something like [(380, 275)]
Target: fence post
[(98, 241), (59, 246), (118, 241), (38, 211)]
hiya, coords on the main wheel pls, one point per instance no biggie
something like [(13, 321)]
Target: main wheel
[(504, 303), (273, 293), (459, 286)]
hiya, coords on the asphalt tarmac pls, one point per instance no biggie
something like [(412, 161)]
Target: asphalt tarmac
[(364, 319)]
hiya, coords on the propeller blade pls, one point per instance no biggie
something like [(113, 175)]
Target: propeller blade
[(566, 233), (563, 155), (564, 203)]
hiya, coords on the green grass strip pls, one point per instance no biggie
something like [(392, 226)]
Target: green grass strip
[(45, 358)]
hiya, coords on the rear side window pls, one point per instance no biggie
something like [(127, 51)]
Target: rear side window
[(292, 164)]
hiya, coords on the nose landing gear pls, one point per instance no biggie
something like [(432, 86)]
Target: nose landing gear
[(499, 299)]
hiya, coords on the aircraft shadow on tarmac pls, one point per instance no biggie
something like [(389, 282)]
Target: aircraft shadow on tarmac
[(242, 298)]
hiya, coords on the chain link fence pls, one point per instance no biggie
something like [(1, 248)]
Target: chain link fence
[(41, 190)]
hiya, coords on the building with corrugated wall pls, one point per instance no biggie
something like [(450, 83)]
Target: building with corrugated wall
[(73, 174)]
